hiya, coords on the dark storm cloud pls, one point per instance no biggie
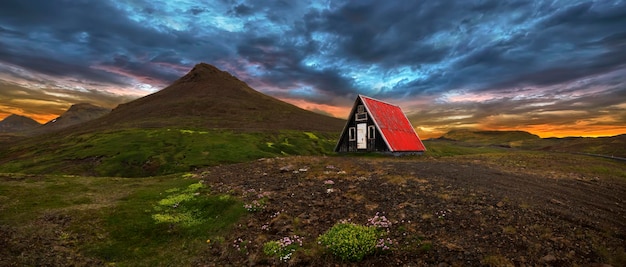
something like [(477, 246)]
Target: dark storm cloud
[(67, 38), (489, 58), (242, 10), (396, 35), (389, 34)]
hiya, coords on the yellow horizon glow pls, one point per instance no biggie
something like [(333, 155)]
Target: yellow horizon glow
[(41, 118)]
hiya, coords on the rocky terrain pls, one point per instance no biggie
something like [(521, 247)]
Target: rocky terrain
[(444, 212)]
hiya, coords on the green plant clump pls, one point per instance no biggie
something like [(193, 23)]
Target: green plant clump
[(172, 209), (284, 248), (351, 242)]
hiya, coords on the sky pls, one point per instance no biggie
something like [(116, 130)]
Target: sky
[(553, 68)]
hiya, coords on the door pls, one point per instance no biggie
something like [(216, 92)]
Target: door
[(361, 136)]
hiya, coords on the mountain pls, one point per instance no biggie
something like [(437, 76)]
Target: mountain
[(209, 98), (17, 123), (205, 118), (76, 114)]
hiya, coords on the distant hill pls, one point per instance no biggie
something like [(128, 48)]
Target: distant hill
[(17, 123), (606, 146), (502, 138), (209, 98), (76, 114)]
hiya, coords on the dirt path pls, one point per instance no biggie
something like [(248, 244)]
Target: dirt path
[(445, 212)]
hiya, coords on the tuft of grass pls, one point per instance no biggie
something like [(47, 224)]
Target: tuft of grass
[(311, 135)]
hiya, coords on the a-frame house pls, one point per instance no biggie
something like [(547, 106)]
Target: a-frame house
[(377, 126)]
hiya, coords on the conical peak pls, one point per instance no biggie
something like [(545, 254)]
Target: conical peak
[(82, 105), (204, 67), (16, 118), (204, 71)]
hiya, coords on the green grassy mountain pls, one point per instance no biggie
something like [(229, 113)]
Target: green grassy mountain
[(205, 118)]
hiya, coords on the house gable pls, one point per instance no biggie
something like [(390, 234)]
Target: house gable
[(394, 125), (374, 125)]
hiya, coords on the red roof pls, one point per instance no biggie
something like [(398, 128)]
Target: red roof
[(394, 125)]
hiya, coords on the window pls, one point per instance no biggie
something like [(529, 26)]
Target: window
[(360, 117), (371, 132), (360, 109), (351, 133)]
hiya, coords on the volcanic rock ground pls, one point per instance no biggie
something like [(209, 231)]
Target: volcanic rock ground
[(444, 212)]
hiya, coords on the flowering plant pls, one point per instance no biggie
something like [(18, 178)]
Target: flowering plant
[(349, 241), (352, 242), (241, 245), (255, 205), (283, 248), (379, 221)]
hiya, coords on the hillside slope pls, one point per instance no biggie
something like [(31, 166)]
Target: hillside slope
[(207, 117), (612, 146), (16, 123), (209, 98), (489, 137), (76, 114)]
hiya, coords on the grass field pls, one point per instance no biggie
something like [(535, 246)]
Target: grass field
[(157, 211), (150, 152), (110, 220)]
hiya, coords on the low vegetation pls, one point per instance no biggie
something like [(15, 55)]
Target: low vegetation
[(352, 242), (115, 221), (452, 205), (151, 152)]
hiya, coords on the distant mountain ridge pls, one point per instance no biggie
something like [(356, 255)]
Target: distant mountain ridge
[(17, 123), (210, 98), (489, 137), (606, 146), (76, 114)]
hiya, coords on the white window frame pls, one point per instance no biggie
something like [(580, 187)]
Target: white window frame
[(352, 134), (360, 117), (371, 132)]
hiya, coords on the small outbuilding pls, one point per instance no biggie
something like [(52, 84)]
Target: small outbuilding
[(377, 126)]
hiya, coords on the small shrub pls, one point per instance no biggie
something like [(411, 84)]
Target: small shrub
[(351, 242)]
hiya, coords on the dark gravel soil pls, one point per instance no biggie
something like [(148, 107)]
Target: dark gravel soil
[(459, 211)]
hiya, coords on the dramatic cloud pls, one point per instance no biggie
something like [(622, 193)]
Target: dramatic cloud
[(550, 67)]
